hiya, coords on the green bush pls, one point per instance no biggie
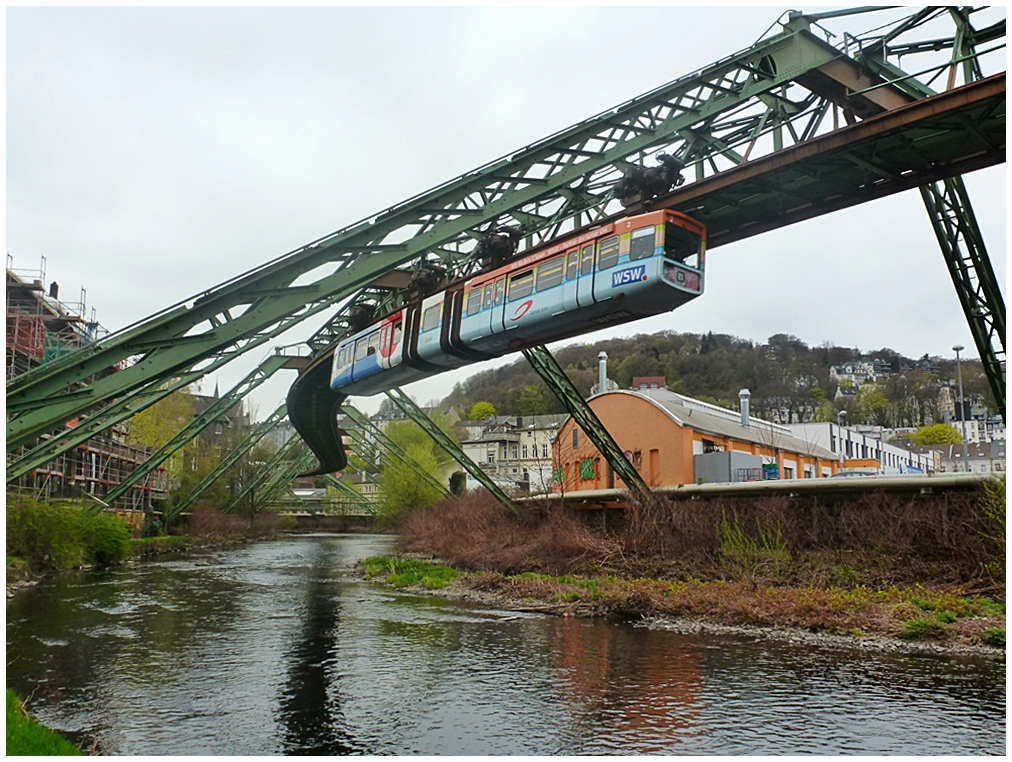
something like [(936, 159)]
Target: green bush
[(994, 637), (922, 629), (63, 535)]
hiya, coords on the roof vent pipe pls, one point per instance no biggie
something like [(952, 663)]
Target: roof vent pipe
[(743, 396), (602, 372)]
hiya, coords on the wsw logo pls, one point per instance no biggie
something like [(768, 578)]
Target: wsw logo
[(522, 309)]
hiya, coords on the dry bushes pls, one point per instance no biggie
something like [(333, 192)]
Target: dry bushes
[(875, 539)]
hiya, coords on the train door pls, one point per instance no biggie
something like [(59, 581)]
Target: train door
[(499, 306), (570, 282), (585, 282)]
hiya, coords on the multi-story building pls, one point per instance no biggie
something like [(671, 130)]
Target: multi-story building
[(41, 328), (514, 448), (982, 457), (856, 372), (864, 446)]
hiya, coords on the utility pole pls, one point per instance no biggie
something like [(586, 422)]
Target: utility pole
[(839, 425), (962, 418)]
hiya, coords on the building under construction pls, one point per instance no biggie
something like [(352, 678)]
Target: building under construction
[(41, 329)]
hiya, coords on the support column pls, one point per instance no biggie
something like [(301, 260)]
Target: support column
[(560, 385), (412, 411), (969, 266)]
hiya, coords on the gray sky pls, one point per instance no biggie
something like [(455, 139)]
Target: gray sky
[(153, 153)]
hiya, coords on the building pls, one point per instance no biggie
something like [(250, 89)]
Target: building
[(672, 439), (516, 449), (983, 457), (40, 329), (856, 372), (861, 443)]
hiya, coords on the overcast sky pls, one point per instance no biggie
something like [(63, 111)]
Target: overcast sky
[(153, 153)]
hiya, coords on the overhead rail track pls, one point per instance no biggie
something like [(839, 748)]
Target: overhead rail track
[(782, 94)]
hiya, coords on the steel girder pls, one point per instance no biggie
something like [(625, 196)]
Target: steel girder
[(563, 388), (261, 430), (348, 491), (281, 478), (966, 258), (369, 428), (271, 466), (543, 187), (219, 407), (415, 413)]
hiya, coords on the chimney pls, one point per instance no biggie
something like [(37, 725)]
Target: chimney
[(602, 372), (54, 290), (743, 396)]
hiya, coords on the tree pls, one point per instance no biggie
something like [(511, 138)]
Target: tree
[(482, 410), (402, 490), (531, 401), (938, 433), (157, 424)]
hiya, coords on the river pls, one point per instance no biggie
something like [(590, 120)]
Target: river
[(280, 648)]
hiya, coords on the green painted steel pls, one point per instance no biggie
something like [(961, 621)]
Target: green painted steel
[(371, 430), (567, 393), (347, 490), (412, 411), (969, 266), (219, 407), (261, 430), (281, 479), (273, 463), (544, 187)]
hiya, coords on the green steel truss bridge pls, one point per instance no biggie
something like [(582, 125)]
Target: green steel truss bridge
[(800, 124)]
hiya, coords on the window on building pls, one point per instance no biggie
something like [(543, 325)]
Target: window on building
[(788, 472), (544, 451), (576, 438), (523, 450), (491, 456), (515, 450)]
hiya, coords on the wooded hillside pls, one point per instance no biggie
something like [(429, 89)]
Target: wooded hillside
[(789, 380)]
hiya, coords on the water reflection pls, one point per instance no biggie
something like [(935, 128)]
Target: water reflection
[(281, 648)]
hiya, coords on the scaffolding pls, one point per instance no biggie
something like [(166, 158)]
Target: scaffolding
[(40, 329)]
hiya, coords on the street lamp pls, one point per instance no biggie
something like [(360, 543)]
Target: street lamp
[(839, 423), (962, 422)]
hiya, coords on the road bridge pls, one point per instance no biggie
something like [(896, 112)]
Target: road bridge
[(759, 131)]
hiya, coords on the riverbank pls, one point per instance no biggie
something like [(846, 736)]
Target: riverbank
[(891, 618), (26, 737)]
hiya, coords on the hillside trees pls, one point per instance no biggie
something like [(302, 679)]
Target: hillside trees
[(938, 433)]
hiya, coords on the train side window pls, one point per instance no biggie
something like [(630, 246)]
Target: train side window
[(642, 244), (572, 263), (587, 260), (487, 299), (360, 347), (682, 245), (521, 285), (608, 253), (500, 289), (374, 342), (397, 334), (430, 318), (474, 302), (550, 274)]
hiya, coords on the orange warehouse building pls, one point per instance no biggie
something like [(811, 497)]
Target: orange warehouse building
[(664, 433)]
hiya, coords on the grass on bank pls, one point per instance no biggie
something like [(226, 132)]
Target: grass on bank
[(27, 737), (910, 613)]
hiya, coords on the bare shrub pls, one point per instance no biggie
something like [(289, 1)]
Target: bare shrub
[(874, 539), (213, 524)]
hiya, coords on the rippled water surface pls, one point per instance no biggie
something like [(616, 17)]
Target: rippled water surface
[(279, 647)]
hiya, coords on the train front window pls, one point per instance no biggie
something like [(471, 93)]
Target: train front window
[(430, 318), (587, 260), (642, 244), (682, 245), (342, 357), (550, 274), (521, 285), (474, 302), (608, 254)]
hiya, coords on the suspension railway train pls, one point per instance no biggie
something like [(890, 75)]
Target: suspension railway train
[(625, 270)]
